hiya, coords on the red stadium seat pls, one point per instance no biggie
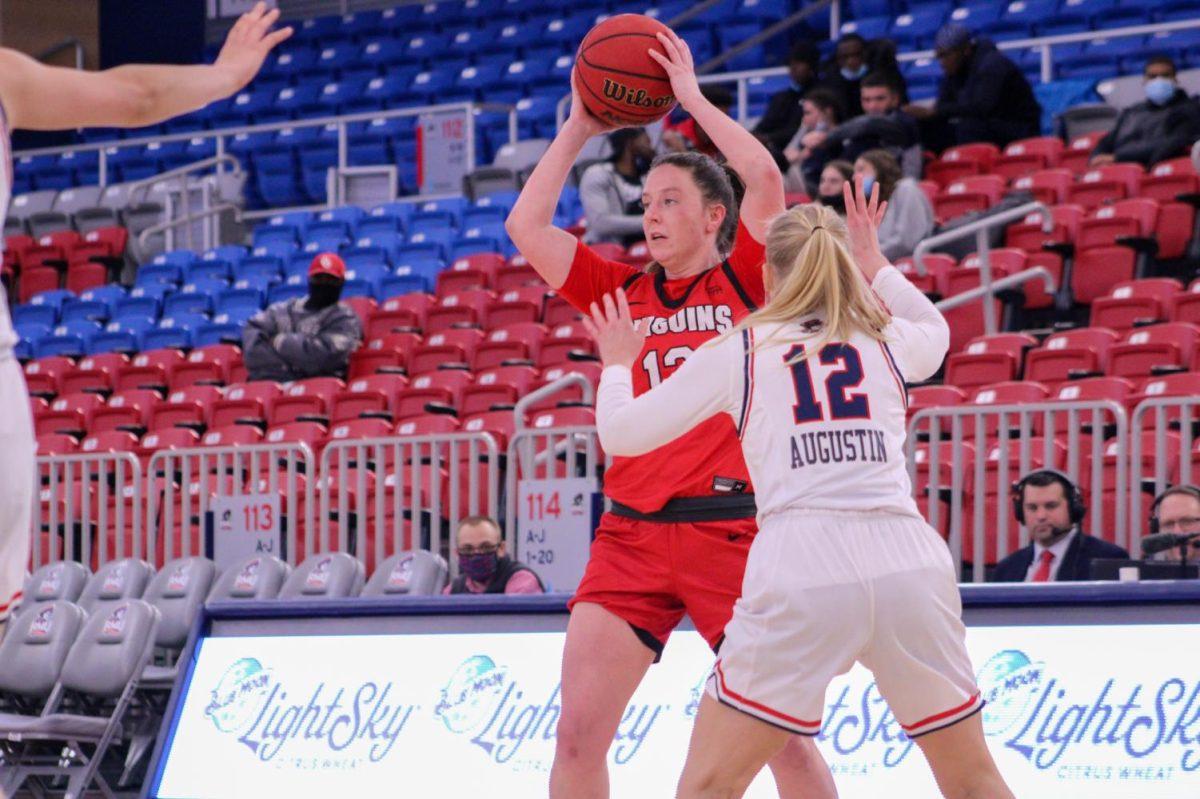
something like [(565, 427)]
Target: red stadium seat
[(389, 385), (522, 304), (1185, 307), (1079, 152), (42, 375), (388, 353), (386, 320), (351, 404), (35, 280), (500, 425), (224, 356), (976, 193), (1089, 389), (518, 341), (1028, 155), (244, 401), (988, 359), (588, 369), (1134, 303), (440, 388), (463, 308), (499, 385), (562, 341), (1084, 350), (429, 424), (49, 444), (558, 312), (129, 408), (1029, 236), (84, 276), (962, 161), (310, 433), (1169, 345), (313, 396), (1107, 225), (354, 429), (1106, 184), (363, 308), (463, 276), (231, 436), (456, 345), (1047, 186), (82, 379), (1186, 384), (1097, 269), (109, 441), (517, 276), (562, 417), (936, 268)]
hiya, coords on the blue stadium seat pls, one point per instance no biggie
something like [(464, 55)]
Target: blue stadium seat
[(422, 246), (267, 235), (323, 229), (1020, 17), (179, 338), (261, 265), (292, 138), (476, 82), (216, 333), (153, 291), (868, 27), (366, 256), (467, 42), (423, 45), (318, 29), (416, 275), (207, 287), (536, 115), (280, 189), (917, 28), (297, 266), (260, 283), (187, 303), (293, 98), (158, 273), (54, 297), (112, 341), (43, 315), (387, 242), (337, 56), (399, 210), (31, 332), (382, 52), (517, 34), (334, 96), (72, 310), (567, 31), (230, 300), (434, 220), (375, 224), (212, 269), (198, 149), (286, 291), (480, 216), (246, 144), (362, 23), (294, 60), (233, 253), (731, 35)]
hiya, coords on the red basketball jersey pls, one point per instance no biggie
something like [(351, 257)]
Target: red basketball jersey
[(684, 314)]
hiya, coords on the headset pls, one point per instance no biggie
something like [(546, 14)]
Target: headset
[(1076, 509), (1183, 489)]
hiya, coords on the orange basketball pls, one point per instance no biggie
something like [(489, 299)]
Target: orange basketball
[(618, 80)]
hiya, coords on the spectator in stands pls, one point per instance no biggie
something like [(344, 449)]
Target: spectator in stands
[(909, 216), (803, 154), (307, 336), (854, 58), (1161, 127), (687, 135), (1052, 508), (882, 125), (1177, 511), (483, 565), (833, 177), (785, 113), (983, 95), (611, 192)]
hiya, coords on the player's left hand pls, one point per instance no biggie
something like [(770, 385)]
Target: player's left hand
[(248, 43), (679, 68), (619, 339)]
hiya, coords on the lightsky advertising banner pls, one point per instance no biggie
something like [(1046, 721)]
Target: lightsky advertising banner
[(1078, 711)]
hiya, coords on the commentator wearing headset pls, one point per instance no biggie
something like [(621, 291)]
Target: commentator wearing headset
[(1051, 507), (1174, 526)]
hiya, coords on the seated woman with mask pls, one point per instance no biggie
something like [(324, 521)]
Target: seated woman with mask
[(909, 216), (611, 191)]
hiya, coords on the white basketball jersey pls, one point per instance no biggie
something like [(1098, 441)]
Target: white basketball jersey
[(8, 337), (826, 432)]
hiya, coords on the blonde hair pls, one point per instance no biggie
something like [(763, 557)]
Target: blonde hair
[(808, 252)]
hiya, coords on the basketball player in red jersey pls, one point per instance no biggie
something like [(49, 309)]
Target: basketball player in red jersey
[(683, 516)]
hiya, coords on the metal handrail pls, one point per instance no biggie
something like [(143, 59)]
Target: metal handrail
[(66, 44), (767, 33), (1019, 279), (550, 389), (186, 169), (196, 216), (980, 228)]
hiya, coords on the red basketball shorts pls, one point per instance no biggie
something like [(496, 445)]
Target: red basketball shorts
[(651, 573)]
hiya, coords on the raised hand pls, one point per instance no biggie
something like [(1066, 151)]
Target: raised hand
[(581, 118), (620, 340), (863, 217), (248, 43), (679, 67)]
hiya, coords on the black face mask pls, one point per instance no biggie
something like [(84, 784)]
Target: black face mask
[(641, 164), (835, 201), (322, 295)]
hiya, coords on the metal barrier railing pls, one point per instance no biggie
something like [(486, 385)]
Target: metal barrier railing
[(963, 461), (379, 496), (183, 482), (1162, 452), (88, 508), (546, 454)]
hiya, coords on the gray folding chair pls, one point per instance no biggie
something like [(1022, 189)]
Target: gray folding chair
[(24, 206), (14, 227), (326, 575), (488, 179), (89, 219), (115, 582), (115, 196), (257, 577), (70, 201), (417, 573), (32, 655), (63, 579), (45, 222), (84, 712), (520, 154), (177, 591)]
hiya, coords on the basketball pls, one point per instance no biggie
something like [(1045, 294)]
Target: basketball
[(618, 80)]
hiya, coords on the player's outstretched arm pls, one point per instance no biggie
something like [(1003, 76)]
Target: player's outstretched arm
[(41, 97), (697, 390), (530, 224), (747, 156)]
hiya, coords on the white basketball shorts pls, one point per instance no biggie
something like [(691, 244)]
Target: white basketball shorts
[(16, 482), (824, 589)]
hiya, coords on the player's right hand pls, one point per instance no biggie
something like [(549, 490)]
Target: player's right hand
[(248, 43), (863, 217), (618, 338), (583, 119)]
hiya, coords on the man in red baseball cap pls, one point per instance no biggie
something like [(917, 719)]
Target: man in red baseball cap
[(306, 336)]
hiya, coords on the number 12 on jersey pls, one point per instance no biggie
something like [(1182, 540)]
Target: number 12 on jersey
[(842, 405)]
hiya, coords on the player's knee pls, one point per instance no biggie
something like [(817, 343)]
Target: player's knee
[(800, 753), (579, 739)]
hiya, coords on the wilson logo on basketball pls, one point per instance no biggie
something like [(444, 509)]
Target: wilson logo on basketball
[(639, 98)]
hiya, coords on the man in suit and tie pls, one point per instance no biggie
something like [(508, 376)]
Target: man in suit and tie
[(1051, 507)]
